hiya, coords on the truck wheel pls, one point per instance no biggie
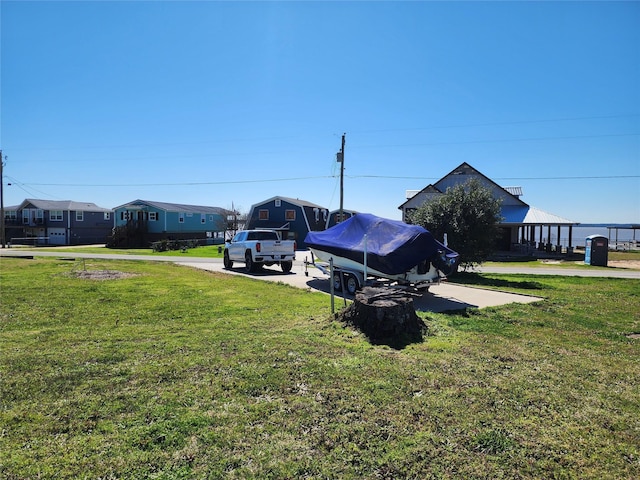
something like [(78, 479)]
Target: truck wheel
[(351, 284), (249, 265), (228, 264), (337, 281), (286, 266)]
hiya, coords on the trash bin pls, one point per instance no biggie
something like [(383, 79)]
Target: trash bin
[(596, 250)]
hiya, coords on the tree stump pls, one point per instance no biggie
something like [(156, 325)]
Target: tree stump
[(386, 316)]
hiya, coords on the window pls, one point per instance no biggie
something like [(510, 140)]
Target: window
[(203, 218), (79, 216), (153, 216), (278, 202), (107, 215), (10, 215), (263, 215), (55, 215), (125, 215), (290, 215), (181, 218)]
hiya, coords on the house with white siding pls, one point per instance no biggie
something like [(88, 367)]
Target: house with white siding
[(523, 227)]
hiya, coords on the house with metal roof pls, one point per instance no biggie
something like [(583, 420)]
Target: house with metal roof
[(57, 222), (145, 221), (292, 217), (523, 227)]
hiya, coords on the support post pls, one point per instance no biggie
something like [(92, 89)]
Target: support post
[(342, 180), (2, 219), (331, 289)]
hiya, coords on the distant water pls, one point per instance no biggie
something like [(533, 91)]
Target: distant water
[(581, 232)]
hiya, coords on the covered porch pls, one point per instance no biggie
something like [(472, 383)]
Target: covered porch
[(531, 230)]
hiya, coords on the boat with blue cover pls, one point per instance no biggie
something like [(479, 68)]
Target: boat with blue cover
[(368, 247)]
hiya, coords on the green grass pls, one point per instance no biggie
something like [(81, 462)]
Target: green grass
[(204, 252), (180, 373), (633, 255)]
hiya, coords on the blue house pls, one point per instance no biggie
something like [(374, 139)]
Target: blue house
[(334, 217), (151, 221), (293, 217), (57, 222)]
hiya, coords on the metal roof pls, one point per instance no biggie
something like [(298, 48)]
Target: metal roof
[(528, 215), (174, 207), (293, 201), (517, 191), (63, 205)]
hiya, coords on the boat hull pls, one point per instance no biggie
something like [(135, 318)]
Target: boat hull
[(411, 277)]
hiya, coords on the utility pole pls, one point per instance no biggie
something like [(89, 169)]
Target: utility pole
[(341, 160), (2, 219)]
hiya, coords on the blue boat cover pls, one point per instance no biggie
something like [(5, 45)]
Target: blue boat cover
[(393, 247)]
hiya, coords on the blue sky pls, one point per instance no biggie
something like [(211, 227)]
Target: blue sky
[(221, 103)]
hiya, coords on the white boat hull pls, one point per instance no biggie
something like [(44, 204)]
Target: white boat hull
[(411, 277)]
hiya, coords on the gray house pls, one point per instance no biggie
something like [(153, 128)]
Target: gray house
[(523, 227), (57, 222)]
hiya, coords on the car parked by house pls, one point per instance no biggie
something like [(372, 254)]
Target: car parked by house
[(256, 248)]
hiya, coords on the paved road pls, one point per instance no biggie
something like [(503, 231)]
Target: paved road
[(576, 272), (443, 297)]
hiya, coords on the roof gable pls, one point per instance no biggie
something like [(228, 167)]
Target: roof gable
[(420, 197), (464, 172), (293, 201)]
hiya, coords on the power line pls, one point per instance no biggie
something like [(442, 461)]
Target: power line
[(598, 177), (495, 124), (180, 184), (384, 177), (288, 138), (529, 139)]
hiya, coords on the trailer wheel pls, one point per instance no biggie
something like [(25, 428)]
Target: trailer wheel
[(228, 264), (337, 281), (351, 283)]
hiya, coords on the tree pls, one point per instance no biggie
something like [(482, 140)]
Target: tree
[(469, 215)]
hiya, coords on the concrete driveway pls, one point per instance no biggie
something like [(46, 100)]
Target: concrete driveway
[(440, 298)]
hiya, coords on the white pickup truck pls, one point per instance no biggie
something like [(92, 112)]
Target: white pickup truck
[(259, 247)]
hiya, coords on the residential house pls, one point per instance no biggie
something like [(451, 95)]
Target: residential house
[(57, 222), (293, 217), (150, 221), (334, 217), (523, 227)]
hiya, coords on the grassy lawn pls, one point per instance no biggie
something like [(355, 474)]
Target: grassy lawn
[(173, 372), (629, 256), (204, 252)]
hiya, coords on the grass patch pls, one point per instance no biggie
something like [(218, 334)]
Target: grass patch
[(171, 372), (532, 262), (208, 251)]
